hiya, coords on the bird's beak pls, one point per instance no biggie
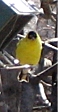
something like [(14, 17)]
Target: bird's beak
[(33, 38)]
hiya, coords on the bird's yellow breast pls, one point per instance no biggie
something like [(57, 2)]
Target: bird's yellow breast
[(29, 51)]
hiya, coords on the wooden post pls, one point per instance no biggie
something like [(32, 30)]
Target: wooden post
[(54, 76)]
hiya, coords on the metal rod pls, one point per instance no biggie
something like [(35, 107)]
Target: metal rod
[(15, 61), (18, 67), (41, 108), (52, 40), (19, 35), (7, 60), (2, 64), (51, 46)]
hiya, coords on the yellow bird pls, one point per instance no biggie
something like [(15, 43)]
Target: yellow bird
[(29, 49)]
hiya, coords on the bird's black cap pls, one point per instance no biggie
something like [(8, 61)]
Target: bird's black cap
[(32, 35)]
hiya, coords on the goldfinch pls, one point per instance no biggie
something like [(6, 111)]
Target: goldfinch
[(29, 49)]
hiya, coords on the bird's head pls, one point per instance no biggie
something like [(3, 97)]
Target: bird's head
[(32, 35)]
